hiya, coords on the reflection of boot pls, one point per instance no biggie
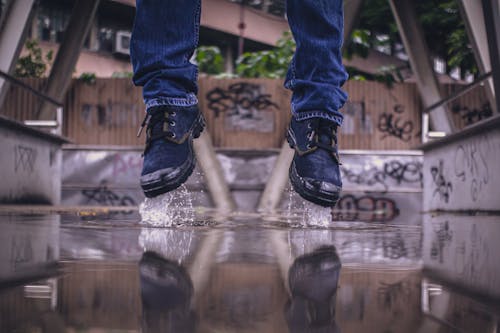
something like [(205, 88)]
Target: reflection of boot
[(166, 291), (313, 280)]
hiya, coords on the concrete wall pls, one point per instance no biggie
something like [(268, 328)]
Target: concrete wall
[(31, 165), (460, 173), (29, 247), (463, 250)]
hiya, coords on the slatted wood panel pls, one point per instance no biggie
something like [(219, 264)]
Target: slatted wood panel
[(258, 91), (377, 117), (469, 108), (109, 112)]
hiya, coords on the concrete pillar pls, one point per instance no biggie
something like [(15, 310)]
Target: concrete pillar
[(16, 20), (473, 16), (271, 197), (212, 170), (414, 42), (74, 37), (352, 8), (491, 9)]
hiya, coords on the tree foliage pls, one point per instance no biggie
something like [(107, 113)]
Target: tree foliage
[(267, 64), (209, 60), (442, 24), (34, 63)]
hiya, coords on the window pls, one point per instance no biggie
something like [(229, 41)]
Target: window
[(51, 23)]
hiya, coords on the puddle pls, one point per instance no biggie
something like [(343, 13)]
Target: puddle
[(293, 271)]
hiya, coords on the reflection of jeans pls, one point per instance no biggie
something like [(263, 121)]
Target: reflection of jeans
[(165, 36)]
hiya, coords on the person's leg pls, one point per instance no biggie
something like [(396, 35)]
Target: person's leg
[(315, 77), (164, 38)]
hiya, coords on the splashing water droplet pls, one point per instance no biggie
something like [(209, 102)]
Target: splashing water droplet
[(169, 209), (175, 245), (315, 215)]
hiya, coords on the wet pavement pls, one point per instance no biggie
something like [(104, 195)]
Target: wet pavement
[(242, 273)]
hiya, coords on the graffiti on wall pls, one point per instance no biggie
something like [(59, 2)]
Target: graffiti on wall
[(472, 115), (393, 124), (471, 165), (442, 238), (393, 170), (244, 106), (443, 186), (355, 116), (111, 113), (102, 195), (24, 159), (365, 208)]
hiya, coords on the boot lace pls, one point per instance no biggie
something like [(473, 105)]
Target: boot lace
[(151, 121), (323, 135)]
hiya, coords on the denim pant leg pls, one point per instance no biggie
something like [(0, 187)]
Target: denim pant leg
[(164, 38), (316, 72)]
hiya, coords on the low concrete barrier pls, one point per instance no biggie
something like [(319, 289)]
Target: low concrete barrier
[(31, 165)]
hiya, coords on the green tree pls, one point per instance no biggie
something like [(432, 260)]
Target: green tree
[(209, 60), (270, 63), (33, 64), (443, 27)]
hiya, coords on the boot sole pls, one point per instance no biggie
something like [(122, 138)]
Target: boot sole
[(308, 191), (161, 182)]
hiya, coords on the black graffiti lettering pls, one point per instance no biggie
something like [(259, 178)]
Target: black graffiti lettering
[(471, 116), (404, 172), (395, 127), (365, 208), (392, 124), (442, 237), (443, 186), (401, 173), (238, 99), (24, 159), (371, 177), (103, 196), (471, 165)]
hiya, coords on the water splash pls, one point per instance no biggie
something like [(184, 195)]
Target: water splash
[(306, 213), (169, 209), (171, 244), (315, 215)]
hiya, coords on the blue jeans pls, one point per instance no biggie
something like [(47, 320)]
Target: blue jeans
[(165, 36)]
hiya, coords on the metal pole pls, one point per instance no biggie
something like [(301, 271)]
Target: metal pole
[(213, 173), (69, 51), (491, 9), (13, 30), (416, 48), (473, 17), (352, 8)]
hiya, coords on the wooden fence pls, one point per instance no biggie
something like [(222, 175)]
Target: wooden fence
[(247, 113)]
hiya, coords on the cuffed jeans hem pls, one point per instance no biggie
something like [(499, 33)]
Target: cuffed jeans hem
[(318, 114), (189, 100)]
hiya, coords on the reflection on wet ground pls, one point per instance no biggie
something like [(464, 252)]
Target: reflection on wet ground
[(243, 273)]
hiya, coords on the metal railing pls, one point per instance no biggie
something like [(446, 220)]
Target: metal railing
[(426, 133), (55, 126)]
